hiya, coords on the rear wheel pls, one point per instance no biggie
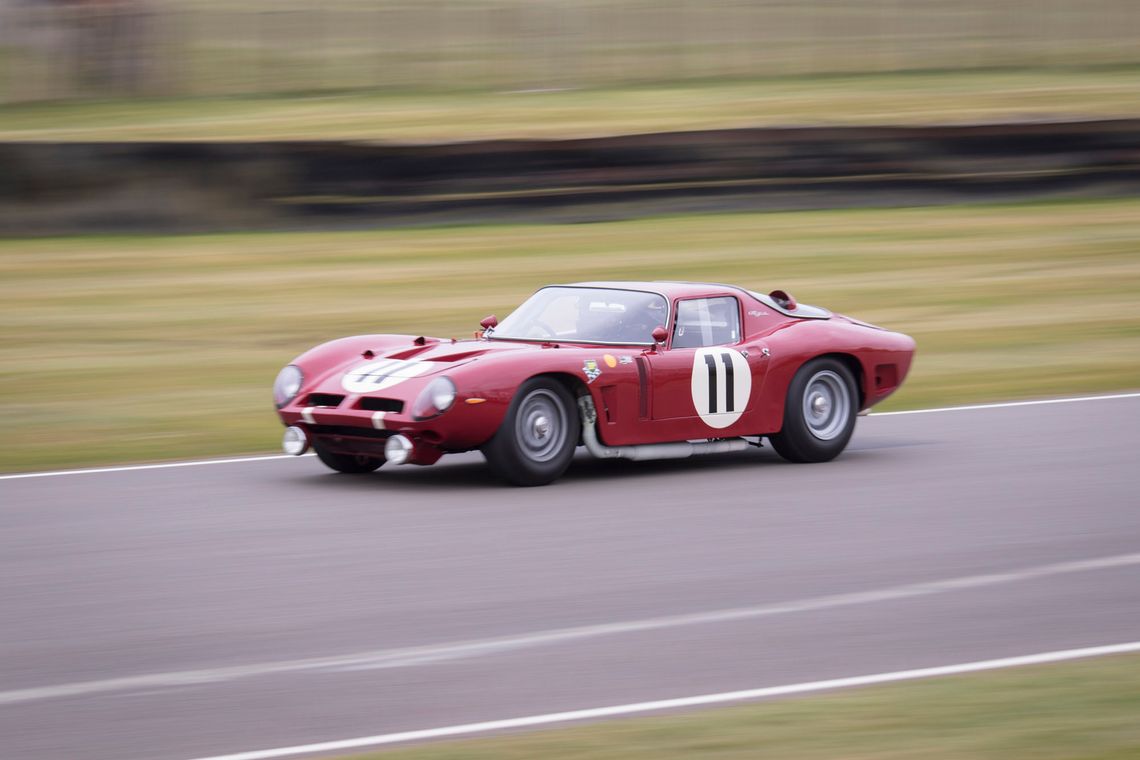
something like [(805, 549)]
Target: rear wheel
[(353, 464), (536, 441), (819, 413)]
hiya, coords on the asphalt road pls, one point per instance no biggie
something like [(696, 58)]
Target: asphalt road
[(186, 612)]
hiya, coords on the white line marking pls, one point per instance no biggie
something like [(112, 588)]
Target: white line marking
[(307, 415), (1006, 404), (199, 462), (672, 704), (412, 656), (158, 466), (378, 420)]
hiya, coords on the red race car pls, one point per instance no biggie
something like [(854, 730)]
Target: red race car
[(636, 370)]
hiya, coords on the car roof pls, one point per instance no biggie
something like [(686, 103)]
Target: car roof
[(672, 289), (668, 288)]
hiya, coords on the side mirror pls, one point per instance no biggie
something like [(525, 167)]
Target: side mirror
[(660, 334), (489, 322)]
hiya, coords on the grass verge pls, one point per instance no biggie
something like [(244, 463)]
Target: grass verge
[(893, 98), (142, 348), (1070, 711)]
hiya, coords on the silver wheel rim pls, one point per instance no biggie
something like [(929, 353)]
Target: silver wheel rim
[(540, 426), (826, 405)]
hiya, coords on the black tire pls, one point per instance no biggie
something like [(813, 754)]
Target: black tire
[(352, 464), (819, 412), (536, 441)]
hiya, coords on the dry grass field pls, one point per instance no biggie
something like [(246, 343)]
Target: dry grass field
[(948, 97), (145, 348)]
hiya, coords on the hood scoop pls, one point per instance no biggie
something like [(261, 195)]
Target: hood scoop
[(457, 356), (421, 345)]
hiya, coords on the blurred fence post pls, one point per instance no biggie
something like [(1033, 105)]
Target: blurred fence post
[(8, 64)]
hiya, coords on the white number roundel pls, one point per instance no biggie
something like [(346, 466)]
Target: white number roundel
[(722, 382), (380, 375)]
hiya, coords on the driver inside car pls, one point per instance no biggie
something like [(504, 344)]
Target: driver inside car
[(642, 318)]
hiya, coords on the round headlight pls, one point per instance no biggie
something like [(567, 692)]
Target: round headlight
[(287, 385), (442, 394), (435, 399)]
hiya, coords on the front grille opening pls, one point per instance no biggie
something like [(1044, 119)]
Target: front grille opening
[(323, 399), (373, 404), (337, 432)]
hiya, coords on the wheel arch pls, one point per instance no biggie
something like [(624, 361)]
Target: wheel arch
[(795, 441), (573, 385), (852, 363), (508, 457), (570, 382)]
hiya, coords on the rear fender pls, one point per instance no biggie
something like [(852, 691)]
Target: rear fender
[(878, 359)]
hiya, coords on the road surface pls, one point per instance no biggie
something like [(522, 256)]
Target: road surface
[(196, 611)]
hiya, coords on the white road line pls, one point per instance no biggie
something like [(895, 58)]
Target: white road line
[(157, 466), (200, 462), (1007, 404), (413, 656), (672, 704)]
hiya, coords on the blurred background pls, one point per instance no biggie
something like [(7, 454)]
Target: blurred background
[(58, 49), (194, 191)]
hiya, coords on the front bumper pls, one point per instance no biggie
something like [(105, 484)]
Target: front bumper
[(345, 428)]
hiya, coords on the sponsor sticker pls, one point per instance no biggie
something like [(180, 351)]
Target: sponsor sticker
[(590, 367), (625, 359)]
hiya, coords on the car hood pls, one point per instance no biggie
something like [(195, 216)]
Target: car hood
[(379, 371)]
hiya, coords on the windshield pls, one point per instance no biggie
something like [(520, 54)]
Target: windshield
[(586, 315)]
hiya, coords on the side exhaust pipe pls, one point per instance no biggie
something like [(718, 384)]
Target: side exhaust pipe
[(679, 450)]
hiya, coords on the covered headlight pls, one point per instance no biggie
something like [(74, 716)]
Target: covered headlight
[(435, 399), (287, 385)]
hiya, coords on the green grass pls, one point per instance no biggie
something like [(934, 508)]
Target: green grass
[(1083, 710), (894, 98), (144, 348)]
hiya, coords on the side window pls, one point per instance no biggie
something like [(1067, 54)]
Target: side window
[(706, 322)]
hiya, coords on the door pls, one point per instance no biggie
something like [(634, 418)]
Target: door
[(702, 382)]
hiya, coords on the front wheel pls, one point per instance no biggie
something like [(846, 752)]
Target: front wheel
[(352, 464), (819, 413), (536, 441)]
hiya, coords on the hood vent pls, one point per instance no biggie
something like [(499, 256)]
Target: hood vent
[(457, 357), (420, 345)]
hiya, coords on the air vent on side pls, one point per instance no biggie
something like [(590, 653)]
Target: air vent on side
[(642, 389)]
